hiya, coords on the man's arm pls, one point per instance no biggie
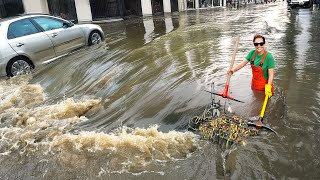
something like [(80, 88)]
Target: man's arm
[(271, 76), (238, 66)]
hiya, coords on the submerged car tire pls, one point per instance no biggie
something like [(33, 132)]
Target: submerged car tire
[(19, 65), (94, 38)]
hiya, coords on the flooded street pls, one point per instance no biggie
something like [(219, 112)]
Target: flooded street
[(120, 109)]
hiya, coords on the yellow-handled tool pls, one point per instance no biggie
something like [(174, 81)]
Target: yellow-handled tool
[(259, 122)]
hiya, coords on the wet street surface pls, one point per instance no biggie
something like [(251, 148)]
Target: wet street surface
[(120, 109)]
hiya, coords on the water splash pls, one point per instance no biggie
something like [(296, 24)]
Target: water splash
[(30, 125)]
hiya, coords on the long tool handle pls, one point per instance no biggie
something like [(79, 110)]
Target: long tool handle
[(259, 122), (233, 58), (264, 107)]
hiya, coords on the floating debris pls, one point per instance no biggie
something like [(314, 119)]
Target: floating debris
[(229, 128), (216, 126)]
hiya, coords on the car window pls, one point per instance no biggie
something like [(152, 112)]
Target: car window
[(21, 28), (49, 23)]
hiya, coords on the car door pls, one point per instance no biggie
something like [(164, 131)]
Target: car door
[(64, 35), (26, 39)]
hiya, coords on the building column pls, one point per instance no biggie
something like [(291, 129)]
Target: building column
[(197, 4), (83, 10), (182, 5), (167, 6), (35, 6), (146, 7)]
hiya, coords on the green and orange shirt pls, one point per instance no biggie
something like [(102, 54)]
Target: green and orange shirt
[(267, 64)]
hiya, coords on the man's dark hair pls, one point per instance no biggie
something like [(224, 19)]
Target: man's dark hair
[(259, 36)]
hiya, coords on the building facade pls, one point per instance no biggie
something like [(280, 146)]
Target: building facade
[(96, 10)]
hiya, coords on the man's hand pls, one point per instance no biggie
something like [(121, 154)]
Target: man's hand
[(230, 71), (267, 90)]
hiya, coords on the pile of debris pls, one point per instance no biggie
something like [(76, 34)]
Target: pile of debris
[(213, 126), (230, 128)]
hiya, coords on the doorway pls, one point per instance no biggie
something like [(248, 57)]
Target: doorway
[(191, 4), (174, 6), (63, 8), (132, 8), (157, 7), (102, 9), (10, 8)]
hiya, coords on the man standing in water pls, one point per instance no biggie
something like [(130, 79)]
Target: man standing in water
[(262, 64)]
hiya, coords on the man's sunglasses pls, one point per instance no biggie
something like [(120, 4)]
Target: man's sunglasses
[(261, 44)]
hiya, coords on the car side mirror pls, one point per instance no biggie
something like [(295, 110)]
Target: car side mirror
[(71, 24), (67, 24)]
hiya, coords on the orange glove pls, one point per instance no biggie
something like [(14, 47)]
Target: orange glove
[(267, 90)]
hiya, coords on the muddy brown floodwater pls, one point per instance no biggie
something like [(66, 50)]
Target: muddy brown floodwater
[(120, 110)]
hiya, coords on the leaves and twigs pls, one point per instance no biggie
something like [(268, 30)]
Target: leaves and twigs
[(231, 128), (215, 126)]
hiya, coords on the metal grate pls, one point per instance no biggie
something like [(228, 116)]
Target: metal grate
[(104, 8), (63, 8)]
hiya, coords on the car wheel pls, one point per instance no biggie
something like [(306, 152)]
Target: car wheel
[(19, 65), (94, 38)]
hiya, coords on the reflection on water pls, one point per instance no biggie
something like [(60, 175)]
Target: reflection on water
[(303, 25), (149, 28), (169, 25), (119, 110)]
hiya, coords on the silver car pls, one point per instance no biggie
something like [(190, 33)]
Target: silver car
[(27, 41), (300, 3)]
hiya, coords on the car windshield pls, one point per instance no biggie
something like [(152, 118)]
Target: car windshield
[(48, 23)]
